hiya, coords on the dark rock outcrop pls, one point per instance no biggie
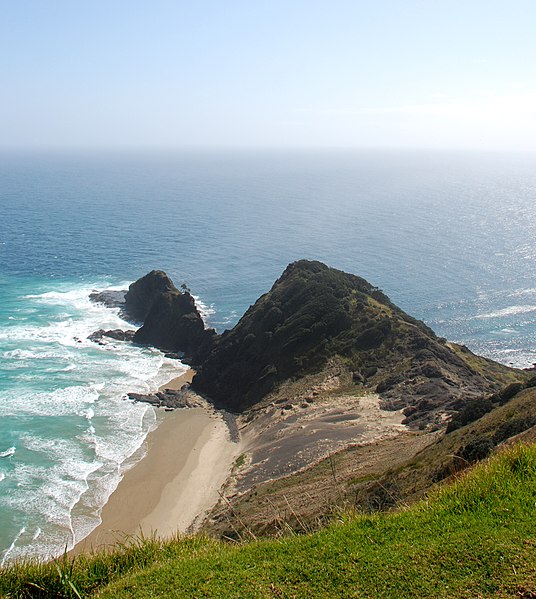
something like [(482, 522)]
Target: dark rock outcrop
[(169, 398), (171, 320), (144, 292), (117, 334), (110, 299)]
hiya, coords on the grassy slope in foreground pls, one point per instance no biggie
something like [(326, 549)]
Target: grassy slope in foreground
[(473, 538)]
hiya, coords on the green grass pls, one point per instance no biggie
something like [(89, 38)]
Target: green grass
[(473, 538)]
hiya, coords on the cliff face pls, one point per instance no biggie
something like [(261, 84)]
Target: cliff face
[(313, 313)]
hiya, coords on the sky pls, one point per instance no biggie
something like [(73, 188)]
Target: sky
[(445, 74)]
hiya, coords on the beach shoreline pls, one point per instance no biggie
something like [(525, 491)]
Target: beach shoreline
[(176, 383), (189, 456)]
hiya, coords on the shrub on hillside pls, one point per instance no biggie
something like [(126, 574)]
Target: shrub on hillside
[(508, 392), (477, 449), (373, 336), (531, 382), (513, 427), (472, 410)]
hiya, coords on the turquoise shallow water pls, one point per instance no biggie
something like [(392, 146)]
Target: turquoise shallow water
[(449, 237)]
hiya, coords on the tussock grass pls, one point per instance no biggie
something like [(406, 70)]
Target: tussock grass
[(475, 537)]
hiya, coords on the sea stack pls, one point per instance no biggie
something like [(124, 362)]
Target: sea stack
[(171, 320)]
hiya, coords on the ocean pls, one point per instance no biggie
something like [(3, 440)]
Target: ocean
[(450, 237)]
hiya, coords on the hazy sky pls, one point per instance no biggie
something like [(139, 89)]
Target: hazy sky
[(337, 73)]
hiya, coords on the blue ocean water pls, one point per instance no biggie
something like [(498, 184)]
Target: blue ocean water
[(450, 237)]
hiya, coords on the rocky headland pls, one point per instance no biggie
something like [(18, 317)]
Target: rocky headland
[(312, 316), (322, 365)]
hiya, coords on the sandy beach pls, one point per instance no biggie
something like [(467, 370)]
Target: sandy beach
[(179, 381), (189, 456)]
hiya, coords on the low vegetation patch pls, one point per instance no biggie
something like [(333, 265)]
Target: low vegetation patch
[(471, 411), (474, 409), (472, 538)]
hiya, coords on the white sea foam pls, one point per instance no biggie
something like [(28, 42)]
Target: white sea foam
[(12, 546), (80, 318), (8, 452), (205, 310), (33, 354), (48, 494), (510, 311), (62, 402), (522, 292), (2, 476)]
